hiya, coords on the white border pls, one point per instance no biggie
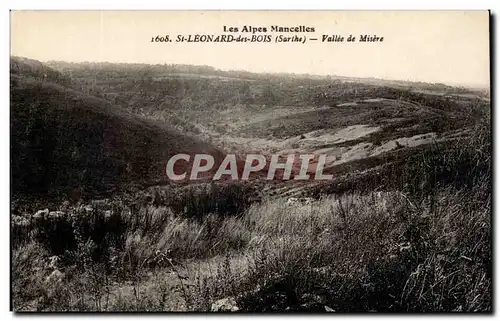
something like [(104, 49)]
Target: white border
[(258, 5), (212, 5)]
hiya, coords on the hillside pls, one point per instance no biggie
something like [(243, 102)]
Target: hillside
[(361, 124), (64, 141)]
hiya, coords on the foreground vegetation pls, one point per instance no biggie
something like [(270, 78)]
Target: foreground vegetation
[(423, 244)]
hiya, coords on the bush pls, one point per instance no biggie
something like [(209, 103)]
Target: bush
[(196, 201)]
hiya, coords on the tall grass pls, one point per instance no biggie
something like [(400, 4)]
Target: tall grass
[(424, 247)]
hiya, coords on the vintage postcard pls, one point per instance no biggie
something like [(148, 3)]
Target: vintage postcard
[(250, 161)]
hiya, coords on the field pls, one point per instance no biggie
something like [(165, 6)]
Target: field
[(403, 226)]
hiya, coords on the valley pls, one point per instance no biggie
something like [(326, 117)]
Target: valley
[(411, 168)]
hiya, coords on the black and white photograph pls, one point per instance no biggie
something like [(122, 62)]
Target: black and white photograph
[(217, 161)]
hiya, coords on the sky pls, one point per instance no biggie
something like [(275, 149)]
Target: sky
[(450, 47)]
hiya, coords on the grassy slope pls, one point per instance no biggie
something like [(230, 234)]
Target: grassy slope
[(425, 247), (64, 140)]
